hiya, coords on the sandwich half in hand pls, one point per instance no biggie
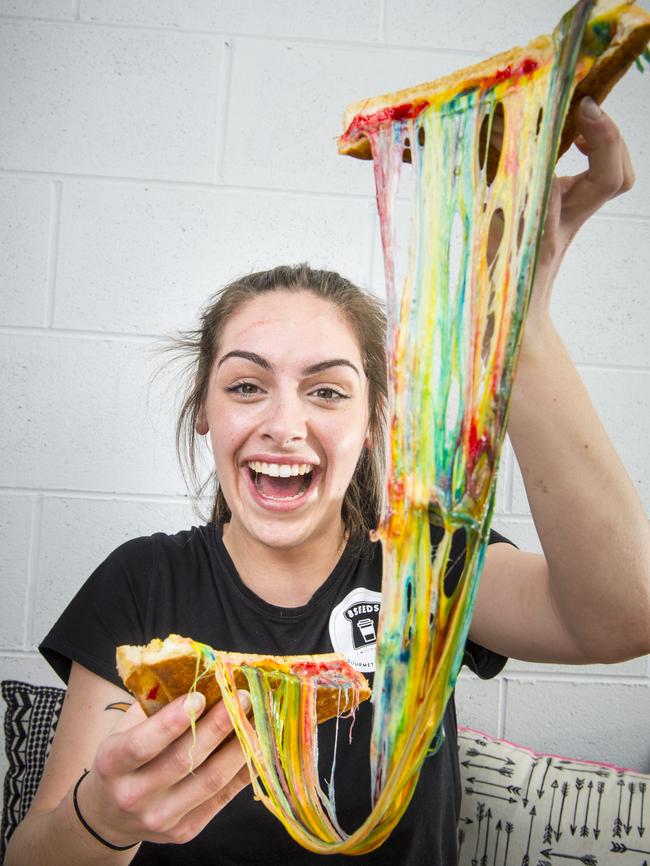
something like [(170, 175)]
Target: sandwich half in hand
[(165, 669)]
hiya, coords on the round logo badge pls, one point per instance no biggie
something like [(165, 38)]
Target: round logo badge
[(353, 627)]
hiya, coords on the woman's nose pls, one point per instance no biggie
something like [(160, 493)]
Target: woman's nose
[(285, 420)]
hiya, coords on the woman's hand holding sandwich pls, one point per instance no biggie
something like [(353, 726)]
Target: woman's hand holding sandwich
[(150, 779), (156, 779)]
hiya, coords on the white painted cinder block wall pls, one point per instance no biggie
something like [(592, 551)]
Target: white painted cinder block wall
[(149, 152)]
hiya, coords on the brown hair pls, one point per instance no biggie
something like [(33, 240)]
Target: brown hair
[(362, 501)]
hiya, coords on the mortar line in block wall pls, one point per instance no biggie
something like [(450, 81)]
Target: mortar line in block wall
[(610, 368), (78, 334), (77, 9), (508, 473), (502, 515), (199, 185), (535, 677), (109, 495), (520, 519), (381, 24), (355, 46), (144, 338), (502, 706), (310, 41), (376, 276), (29, 654), (553, 673), (223, 108), (207, 186), (32, 569), (53, 252), (371, 240)]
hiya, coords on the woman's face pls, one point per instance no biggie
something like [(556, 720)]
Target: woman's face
[(287, 413)]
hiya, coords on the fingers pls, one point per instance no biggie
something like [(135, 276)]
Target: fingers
[(628, 170), (610, 170), (206, 790), (582, 145), (191, 824), (152, 773), (187, 754), (199, 817), (141, 741)]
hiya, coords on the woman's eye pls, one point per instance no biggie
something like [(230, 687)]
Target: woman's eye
[(246, 389), (329, 394)]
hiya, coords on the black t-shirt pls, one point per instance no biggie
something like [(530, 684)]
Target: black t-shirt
[(187, 584)]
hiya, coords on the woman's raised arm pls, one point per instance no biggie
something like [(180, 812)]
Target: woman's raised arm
[(588, 599)]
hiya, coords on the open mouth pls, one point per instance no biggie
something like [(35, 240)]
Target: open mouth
[(281, 482)]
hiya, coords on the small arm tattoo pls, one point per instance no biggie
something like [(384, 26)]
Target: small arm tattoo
[(122, 706)]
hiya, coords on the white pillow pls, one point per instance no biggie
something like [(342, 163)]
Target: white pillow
[(521, 808)]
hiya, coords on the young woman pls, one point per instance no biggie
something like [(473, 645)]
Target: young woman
[(289, 385)]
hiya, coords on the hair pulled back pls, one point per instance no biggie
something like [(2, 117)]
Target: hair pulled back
[(362, 501)]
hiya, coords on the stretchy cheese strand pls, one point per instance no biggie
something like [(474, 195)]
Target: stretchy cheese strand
[(452, 345)]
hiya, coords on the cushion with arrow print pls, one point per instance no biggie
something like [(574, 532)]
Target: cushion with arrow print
[(521, 808)]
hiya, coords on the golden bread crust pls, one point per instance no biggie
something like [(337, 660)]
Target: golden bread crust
[(539, 51), (631, 25), (163, 670), (629, 41)]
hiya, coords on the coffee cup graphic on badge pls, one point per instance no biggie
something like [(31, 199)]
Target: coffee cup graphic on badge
[(367, 629)]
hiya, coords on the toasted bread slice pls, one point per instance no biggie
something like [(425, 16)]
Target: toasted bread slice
[(630, 29), (165, 669), (617, 33)]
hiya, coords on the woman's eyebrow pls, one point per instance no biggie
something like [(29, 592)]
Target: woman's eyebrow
[(307, 371), (325, 365), (247, 356)]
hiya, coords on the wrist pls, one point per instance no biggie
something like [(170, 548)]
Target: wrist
[(544, 378), (55, 837), (539, 338), (91, 821), (112, 846)]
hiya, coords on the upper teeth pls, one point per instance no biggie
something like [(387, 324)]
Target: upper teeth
[(280, 470)]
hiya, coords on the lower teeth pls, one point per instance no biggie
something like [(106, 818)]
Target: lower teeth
[(281, 498), (305, 484)]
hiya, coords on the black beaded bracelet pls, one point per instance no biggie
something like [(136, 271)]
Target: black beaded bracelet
[(87, 825)]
